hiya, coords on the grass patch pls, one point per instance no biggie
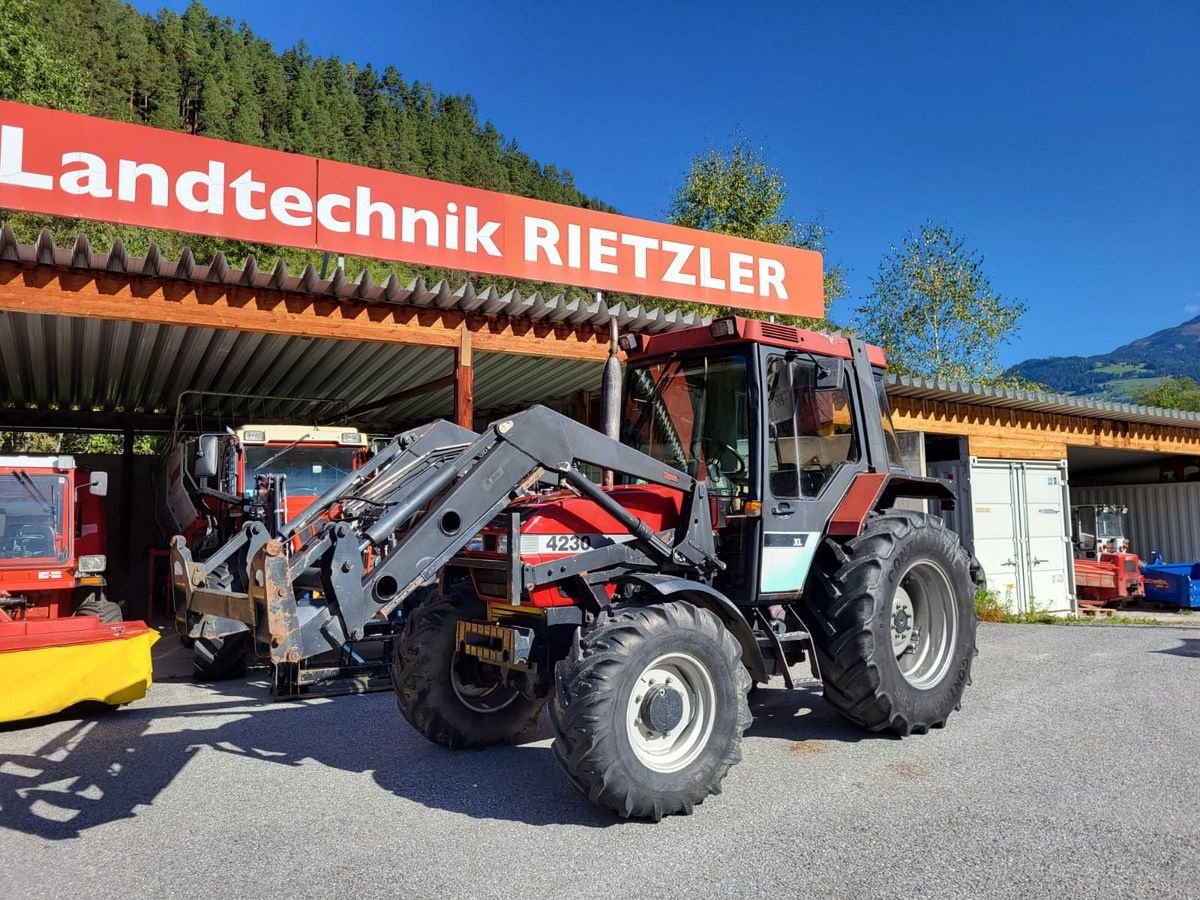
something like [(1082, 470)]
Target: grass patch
[(989, 609)]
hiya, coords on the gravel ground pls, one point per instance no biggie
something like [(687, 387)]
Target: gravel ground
[(1069, 772)]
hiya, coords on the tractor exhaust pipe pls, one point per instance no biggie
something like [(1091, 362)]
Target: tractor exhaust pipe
[(610, 392)]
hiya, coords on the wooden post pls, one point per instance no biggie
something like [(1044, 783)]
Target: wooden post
[(464, 382)]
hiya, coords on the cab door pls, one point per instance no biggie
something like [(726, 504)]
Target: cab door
[(812, 447)]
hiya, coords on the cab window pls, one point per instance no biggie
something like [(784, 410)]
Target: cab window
[(811, 431)]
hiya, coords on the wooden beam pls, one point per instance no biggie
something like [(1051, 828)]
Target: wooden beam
[(52, 290), (464, 382)]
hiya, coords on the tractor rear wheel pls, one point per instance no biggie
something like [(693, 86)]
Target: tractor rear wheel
[(892, 614), (450, 698), (649, 713)]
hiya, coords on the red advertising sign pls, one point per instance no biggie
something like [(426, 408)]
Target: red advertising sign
[(70, 165)]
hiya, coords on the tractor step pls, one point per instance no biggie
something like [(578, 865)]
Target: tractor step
[(793, 636)]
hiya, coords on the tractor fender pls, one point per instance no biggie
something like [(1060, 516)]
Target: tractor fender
[(671, 587)]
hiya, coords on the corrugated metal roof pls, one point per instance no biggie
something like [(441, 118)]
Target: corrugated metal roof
[(141, 366), (463, 298), (943, 390)]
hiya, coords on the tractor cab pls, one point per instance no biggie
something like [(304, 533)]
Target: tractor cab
[(51, 536), (776, 421), (1099, 529)]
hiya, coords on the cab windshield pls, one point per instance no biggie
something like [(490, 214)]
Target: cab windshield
[(310, 470), (1108, 524), (32, 517), (692, 413)]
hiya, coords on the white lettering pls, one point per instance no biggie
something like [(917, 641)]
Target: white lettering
[(91, 180), (477, 237), (770, 275), (409, 217), (12, 149), (213, 181), (599, 250), (364, 209), (675, 273), (706, 277), (244, 189), (574, 246), (451, 235), (541, 233), (128, 172), (640, 245), (325, 207), (739, 271), (287, 201)]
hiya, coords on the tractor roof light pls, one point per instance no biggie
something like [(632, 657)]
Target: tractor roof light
[(254, 437), (630, 342), (352, 437), (723, 328)]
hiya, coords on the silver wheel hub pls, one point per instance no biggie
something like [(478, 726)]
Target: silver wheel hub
[(903, 632), (924, 624), (670, 712)]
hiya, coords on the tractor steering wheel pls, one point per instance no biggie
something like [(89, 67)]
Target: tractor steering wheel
[(724, 451)]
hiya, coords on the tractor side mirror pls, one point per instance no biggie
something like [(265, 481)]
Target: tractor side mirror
[(207, 458), (98, 485), (831, 372)]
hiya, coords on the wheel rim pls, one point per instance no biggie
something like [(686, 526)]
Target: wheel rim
[(924, 624), (485, 699), (670, 713)]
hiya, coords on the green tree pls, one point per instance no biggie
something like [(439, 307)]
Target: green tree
[(31, 70), (1172, 393), (933, 309), (736, 191)]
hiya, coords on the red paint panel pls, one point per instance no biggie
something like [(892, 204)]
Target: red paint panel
[(850, 515)]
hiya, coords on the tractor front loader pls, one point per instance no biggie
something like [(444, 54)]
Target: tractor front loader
[(751, 526)]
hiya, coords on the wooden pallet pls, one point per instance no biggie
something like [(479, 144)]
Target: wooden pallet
[(1097, 612)]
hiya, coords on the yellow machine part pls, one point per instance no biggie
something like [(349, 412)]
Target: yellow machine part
[(45, 680)]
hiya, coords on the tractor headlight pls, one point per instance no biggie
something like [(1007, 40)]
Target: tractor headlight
[(475, 545), (502, 543), (92, 564)]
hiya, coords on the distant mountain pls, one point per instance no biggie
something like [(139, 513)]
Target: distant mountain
[(1123, 372)]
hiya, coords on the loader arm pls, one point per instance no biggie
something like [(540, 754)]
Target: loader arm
[(388, 529)]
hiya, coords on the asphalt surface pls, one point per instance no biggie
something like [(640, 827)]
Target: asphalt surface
[(1070, 771)]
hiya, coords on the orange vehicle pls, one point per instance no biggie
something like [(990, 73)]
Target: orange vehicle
[(62, 641)]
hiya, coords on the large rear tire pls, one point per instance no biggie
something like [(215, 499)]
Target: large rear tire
[(892, 614), (449, 698), (650, 712)]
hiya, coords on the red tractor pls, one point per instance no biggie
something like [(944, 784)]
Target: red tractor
[(1105, 571), (62, 641), (752, 525)]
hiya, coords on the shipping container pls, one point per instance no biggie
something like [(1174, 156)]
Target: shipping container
[(1015, 516)]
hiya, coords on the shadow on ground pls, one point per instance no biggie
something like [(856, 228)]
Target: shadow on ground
[(1187, 647), (101, 767)]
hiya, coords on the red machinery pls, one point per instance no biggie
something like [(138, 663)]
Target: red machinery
[(62, 641), (1105, 570)]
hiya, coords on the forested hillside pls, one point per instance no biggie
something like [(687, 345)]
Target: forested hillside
[(1121, 374), (205, 75)]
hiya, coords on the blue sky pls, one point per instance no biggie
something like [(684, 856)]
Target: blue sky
[(1061, 139)]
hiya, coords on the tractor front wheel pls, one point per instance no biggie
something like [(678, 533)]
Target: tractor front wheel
[(892, 615), (649, 713), (452, 699)]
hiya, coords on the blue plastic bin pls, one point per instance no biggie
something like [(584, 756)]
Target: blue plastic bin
[(1174, 583)]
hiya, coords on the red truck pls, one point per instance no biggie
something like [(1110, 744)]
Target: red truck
[(62, 641)]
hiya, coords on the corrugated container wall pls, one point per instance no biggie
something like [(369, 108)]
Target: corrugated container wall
[(1162, 517)]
